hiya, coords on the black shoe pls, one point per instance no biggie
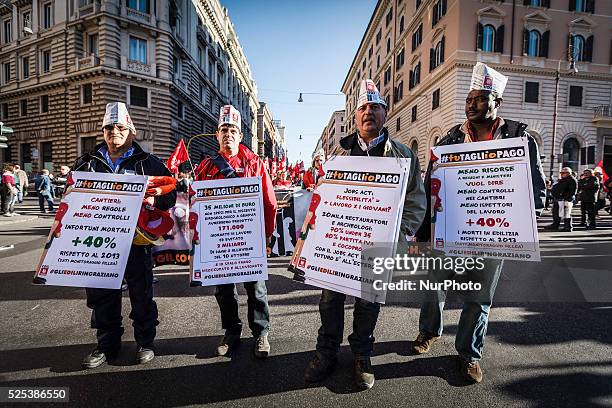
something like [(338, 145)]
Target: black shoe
[(319, 368), (98, 357), (229, 343), (591, 227), (552, 227), (364, 378), (145, 354)]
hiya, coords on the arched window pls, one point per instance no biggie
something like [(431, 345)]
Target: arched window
[(438, 54), (578, 47), (414, 146), (488, 38), (536, 3), (533, 49), (571, 153)]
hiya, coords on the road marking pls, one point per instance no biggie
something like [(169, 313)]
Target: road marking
[(5, 247), (35, 307)]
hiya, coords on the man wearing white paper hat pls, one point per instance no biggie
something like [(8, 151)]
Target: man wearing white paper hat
[(120, 154), (236, 160), (371, 139), (482, 124)]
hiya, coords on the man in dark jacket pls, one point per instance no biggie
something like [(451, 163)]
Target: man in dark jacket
[(372, 139), (120, 154), (588, 190), (563, 193), (482, 124)]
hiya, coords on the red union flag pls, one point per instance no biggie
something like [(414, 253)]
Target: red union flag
[(179, 156)]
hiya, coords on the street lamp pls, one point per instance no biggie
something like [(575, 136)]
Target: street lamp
[(572, 70), (300, 99)]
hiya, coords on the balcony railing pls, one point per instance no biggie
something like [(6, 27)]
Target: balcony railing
[(602, 112), (138, 15), (138, 67)]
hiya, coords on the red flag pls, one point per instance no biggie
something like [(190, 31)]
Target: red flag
[(179, 156), (603, 172)]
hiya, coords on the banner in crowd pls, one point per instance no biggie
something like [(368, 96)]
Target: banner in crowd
[(482, 200), (232, 229), (176, 248), (91, 237), (351, 211)]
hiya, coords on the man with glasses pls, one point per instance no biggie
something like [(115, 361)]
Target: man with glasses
[(482, 124), (120, 154)]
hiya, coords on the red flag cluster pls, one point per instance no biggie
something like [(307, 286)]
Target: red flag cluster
[(178, 157)]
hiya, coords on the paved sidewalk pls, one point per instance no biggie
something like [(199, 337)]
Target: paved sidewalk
[(27, 211)]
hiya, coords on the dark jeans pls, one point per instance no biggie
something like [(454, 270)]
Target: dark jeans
[(106, 304), (258, 312), (365, 315), (474, 319), (42, 197), (7, 199), (587, 212)]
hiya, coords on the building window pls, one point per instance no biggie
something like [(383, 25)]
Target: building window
[(401, 25), (377, 61), (436, 55), (7, 31), (23, 107), (414, 146), (532, 92), (583, 6), (46, 60), (25, 67), (371, 51), (389, 17), (571, 153), (575, 96), (378, 36), (418, 4), (399, 60), (439, 10), (44, 103), (180, 110), (435, 99), (533, 49), (363, 64), (413, 114), (398, 124), (139, 96), (27, 20), (5, 111), (140, 5), (417, 37), (488, 38), (7, 72), (88, 144), (92, 44), (46, 155), (138, 50), (86, 93), (582, 49), (387, 77), (415, 76), (47, 17), (388, 45), (399, 92)]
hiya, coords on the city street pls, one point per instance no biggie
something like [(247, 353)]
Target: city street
[(546, 346)]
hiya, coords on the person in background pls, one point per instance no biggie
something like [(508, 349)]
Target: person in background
[(563, 193), (21, 179), (311, 176), (8, 190), (42, 184), (601, 194), (59, 182), (588, 189)]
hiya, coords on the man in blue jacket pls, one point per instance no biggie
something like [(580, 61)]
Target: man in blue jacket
[(120, 154), (42, 184), (482, 124)]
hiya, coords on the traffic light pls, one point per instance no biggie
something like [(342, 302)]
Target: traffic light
[(4, 130)]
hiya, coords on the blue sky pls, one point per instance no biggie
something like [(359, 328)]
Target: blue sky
[(300, 46)]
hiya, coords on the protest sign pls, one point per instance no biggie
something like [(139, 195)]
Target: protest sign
[(91, 237), (352, 210), (232, 230), (482, 200)]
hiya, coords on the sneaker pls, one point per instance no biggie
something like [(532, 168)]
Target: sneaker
[(423, 342), (363, 376), (319, 368), (14, 213), (124, 286), (229, 343), (145, 354), (262, 346), (470, 370), (8, 214), (98, 357)]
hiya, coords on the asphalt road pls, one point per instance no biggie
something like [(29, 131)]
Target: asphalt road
[(546, 346)]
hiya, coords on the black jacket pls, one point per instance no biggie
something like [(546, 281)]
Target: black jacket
[(588, 189), (509, 129), (140, 162), (565, 189)]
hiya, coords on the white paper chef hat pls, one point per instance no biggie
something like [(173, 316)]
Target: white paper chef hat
[(229, 116), (368, 93), (487, 79), (117, 113)]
